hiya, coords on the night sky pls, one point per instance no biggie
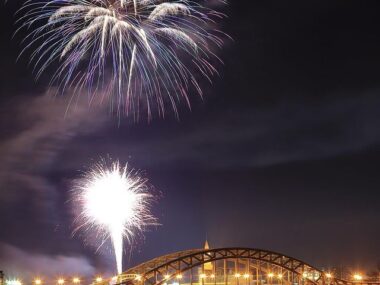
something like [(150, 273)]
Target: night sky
[(283, 153)]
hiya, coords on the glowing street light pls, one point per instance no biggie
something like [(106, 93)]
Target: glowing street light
[(13, 282), (61, 281), (279, 276), (202, 276), (328, 275), (76, 280), (212, 275), (246, 275), (179, 276), (358, 277), (304, 275), (270, 275), (37, 281), (237, 275), (167, 276), (98, 279)]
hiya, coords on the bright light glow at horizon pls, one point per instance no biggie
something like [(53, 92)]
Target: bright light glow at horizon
[(61, 281), (358, 277), (76, 280), (13, 282), (37, 281), (115, 201)]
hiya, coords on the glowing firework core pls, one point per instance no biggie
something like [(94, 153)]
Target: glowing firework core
[(115, 200)]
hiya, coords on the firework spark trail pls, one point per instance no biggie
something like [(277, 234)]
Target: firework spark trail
[(153, 51), (115, 201)]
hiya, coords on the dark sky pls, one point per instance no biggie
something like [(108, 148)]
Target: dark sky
[(283, 153)]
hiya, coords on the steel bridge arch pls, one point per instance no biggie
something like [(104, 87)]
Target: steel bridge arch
[(153, 271)]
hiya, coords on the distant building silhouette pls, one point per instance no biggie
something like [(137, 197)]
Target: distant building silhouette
[(2, 281)]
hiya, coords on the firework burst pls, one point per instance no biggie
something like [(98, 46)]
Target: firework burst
[(114, 201), (136, 53)]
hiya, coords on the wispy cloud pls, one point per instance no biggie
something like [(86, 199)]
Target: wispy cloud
[(31, 202), (27, 264)]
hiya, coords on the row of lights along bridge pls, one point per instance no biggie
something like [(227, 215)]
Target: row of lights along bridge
[(76, 280)]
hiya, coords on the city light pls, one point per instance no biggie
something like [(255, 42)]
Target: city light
[(76, 280), (167, 276), (304, 275), (237, 275), (212, 275), (358, 277), (328, 275), (179, 276), (202, 276), (99, 279), (60, 281), (13, 282), (138, 277), (270, 275), (280, 276), (37, 281), (246, 276)]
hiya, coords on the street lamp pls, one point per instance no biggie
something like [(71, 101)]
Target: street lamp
[(37, 281), (60, 281), (76, 280), (358, 277), (99, 279), (13, 282), (138, 277)]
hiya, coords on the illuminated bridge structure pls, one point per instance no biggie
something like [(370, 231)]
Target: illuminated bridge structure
[(229, 266)]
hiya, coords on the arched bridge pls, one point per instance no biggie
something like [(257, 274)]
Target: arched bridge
[(229, 266)]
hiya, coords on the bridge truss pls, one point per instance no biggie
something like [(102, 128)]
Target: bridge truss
[(229, 266)]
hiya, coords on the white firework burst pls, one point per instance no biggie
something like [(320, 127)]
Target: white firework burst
[(115, 202), (136, 53)]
